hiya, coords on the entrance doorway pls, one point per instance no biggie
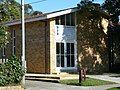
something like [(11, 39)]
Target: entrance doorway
[(65, 54)]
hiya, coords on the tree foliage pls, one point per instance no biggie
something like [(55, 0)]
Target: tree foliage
[(11, 72), (29, 11), (92, 41), (11, 10), (8, 11), (113, 8)]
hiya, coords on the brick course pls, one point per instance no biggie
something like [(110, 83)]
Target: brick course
[(35, 46)]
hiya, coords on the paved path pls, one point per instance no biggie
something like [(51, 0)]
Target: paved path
[(111, 77), (39, 85)]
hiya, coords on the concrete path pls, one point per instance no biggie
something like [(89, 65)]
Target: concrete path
[(110, 77), (39, 85)]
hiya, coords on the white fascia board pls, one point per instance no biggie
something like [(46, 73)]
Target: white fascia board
[(26, 21), (61, 13)]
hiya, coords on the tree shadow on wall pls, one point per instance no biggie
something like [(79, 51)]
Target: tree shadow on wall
[(92, 42)]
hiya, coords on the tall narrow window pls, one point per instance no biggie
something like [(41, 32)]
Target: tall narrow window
[(70, 55), (13, 35), (72, 19), (57, 20), (3, 52), (62, 19), (68, 20), (60, 54)]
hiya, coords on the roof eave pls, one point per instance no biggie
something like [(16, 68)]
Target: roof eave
[(26, 21)]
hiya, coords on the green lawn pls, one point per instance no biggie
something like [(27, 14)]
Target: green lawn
[(116, 88), (87, 82)]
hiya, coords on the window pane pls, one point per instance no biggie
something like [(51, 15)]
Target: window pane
[(13, 41), (72, 19), (62, 48), (72, 61), (68, 19), (58, 61), (72, 48), (68, 60), (62, 19), (13, 33), (62, 61), (3, 51), (68, 48), (57, 20), (57, 48)]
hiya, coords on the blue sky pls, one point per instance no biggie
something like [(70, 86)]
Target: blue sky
[(54, 5)]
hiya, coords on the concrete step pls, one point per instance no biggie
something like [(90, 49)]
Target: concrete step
[(51, 77), (42, 77)]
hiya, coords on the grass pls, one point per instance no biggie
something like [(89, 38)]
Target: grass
[(87, 82), (116, 88)]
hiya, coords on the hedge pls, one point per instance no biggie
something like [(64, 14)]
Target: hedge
[(11, 72)]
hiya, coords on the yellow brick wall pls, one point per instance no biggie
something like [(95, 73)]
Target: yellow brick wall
[(37, 48), (52, 47)]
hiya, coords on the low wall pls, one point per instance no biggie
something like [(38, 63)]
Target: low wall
[(12, 88)]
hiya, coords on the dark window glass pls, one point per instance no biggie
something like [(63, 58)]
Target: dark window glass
[(57, 20), (1, 52), (58, 61), (62, 20), (72, 61), (68, 48), (13, 33), (14, 50), (72, 48), (68, 19), (14, 41), (72, 19), (58, 48), (4, 52), (62, 61), (62, 48), (68, 60)]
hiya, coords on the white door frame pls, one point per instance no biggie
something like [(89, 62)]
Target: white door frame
[(66, 34), (65, 58)]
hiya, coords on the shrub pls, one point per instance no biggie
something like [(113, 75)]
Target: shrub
[(11, 72)]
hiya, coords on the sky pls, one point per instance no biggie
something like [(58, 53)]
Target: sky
[(54, 5)]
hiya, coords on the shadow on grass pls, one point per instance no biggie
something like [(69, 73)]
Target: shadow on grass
[(75, 84), (115, 76), (116, 88)]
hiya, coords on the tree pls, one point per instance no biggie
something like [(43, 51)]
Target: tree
[(91, 37), (8, 11), (30, 12), (37, 13), (113, 8)]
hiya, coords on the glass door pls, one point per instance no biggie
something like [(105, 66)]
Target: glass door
[(70, 57), (60, 54), (65, 54)]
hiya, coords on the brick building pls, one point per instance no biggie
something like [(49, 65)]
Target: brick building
[(54, 44)]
